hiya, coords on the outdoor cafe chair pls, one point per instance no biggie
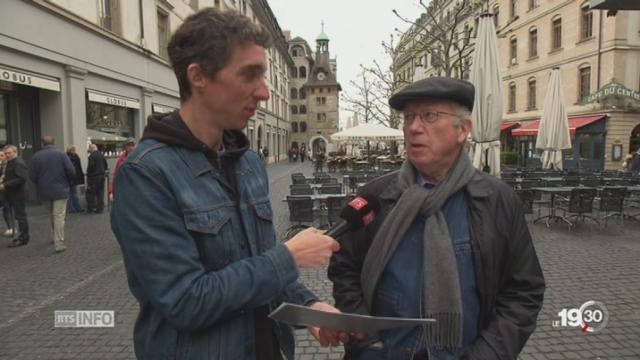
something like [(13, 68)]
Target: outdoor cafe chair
[(331, 189), (326, 180), (300, 190), (579, 204), (301, 214), (335, 204), (590, 181), (611, 202)]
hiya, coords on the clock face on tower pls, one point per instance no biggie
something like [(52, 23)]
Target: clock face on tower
[(321, 76)]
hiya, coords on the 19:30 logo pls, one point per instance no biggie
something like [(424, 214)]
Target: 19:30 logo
[(591, 317)]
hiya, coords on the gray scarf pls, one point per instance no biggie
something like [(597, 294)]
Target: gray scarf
[(442, 298)]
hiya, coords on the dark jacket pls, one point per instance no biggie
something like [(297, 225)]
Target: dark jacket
[(635, 162), (200, 249), (15, 179), (52, 171), (97, 165), (78, 177), (509, 279)]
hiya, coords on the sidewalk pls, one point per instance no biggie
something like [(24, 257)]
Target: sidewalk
[(581, 265)]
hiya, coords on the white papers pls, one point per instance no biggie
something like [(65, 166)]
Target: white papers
[(304, 316)]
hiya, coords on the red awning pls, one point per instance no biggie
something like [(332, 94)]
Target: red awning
[(575, 122), (508, 125)]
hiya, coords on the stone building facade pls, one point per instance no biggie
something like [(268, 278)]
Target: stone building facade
[(93, 71), (315, 95), (599, 59)]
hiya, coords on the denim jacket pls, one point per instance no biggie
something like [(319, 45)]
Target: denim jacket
[(199, 259)]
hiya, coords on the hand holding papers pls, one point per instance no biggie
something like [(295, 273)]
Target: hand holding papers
[(352, 323)]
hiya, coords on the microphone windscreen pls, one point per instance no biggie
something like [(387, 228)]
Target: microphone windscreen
[(360, 211)]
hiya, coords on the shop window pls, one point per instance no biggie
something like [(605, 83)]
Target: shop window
[(111, 124)]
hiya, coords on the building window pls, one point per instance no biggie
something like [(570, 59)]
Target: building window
[(297, 51), (514, 8), (496, 17), (512, 97), (303, 126), (109, 15), (585, 82), (294, 72), (303, 93), (556, 31), (294, 93), (163, 33), (302, 72), (321, 117), (514, 51), (531, 103), (533, 4), (303, 109), (294, 109), (294, 127), (586, 22), (110, 120), (533, 42)]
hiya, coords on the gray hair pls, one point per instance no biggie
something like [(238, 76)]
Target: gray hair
[(462, 113), (10, 147)]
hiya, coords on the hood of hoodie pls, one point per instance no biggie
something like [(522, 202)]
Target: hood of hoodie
[(172, 130)]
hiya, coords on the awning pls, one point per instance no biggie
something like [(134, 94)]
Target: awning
[(615, 4), (575, 122), (508, 125)]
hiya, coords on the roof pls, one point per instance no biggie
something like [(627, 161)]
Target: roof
[(575, 122), (322, 36)]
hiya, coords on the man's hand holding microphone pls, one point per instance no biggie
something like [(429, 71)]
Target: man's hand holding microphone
[(312, 248)]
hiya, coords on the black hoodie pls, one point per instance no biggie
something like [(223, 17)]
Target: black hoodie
[(171, 130)]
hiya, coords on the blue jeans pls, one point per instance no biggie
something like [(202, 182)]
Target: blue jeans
[(74, 202)]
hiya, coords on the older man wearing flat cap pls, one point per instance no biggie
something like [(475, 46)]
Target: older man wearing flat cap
[(450, 243)]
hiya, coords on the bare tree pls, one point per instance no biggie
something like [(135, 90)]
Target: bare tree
[(368, 101), (376, 83), (440, 33)]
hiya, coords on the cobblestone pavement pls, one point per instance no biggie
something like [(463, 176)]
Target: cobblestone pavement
[(581, 265)]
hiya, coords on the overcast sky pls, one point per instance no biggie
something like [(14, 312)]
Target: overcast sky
[(355, 28)]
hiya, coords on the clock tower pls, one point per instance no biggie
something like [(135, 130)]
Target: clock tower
[(323, 98)]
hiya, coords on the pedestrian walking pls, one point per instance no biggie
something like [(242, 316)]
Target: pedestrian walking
[(78, 179), (52, 172), (265, 154), (6, 208), (303, 152), (96, 172), (192, 216), (15, 192)]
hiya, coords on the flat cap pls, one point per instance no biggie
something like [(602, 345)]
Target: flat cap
[(459, 91)]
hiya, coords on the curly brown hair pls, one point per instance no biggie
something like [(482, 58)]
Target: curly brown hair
[(208, 38)]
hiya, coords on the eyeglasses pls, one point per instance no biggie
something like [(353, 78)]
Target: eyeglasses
[(426, 117)]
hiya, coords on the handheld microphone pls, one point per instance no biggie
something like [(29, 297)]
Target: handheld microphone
[(360, 212)]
